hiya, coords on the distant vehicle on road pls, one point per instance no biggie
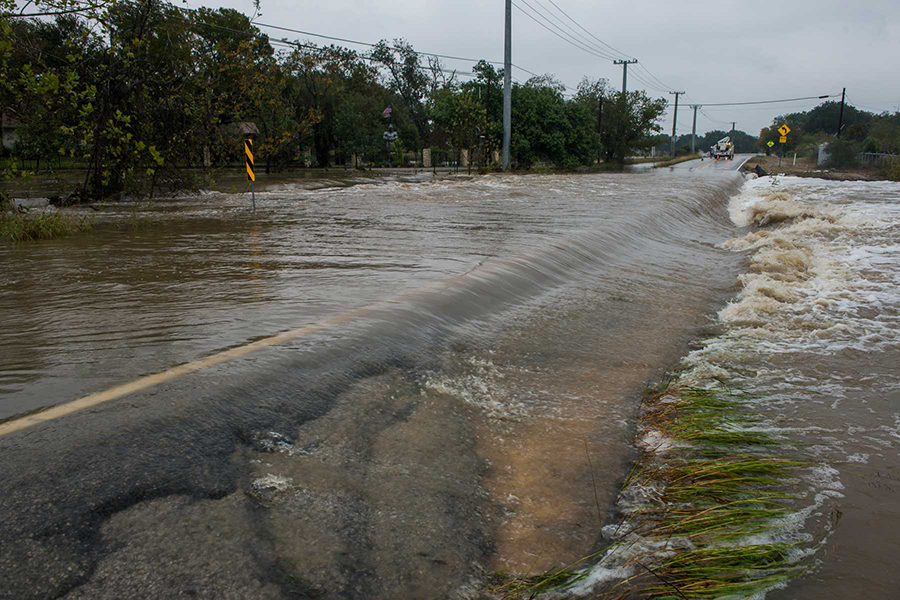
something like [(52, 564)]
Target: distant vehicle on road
[(724, 148)]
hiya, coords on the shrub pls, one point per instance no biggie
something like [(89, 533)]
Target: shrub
[(842, 154), (871, 145), (20, 227), (894, 170)]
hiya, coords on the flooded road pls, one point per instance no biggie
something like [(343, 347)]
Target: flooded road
[(462, 403)]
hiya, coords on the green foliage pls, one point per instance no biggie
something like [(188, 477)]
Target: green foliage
[(629, 124), (842, 153), (894, 170), (874, 133), (136, 92)]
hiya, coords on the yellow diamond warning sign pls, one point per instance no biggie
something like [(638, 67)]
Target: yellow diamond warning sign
[(784, 130)]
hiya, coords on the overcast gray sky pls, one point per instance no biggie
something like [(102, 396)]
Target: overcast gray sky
[(715, 50)]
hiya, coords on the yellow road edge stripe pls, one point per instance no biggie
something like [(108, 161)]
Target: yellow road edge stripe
[(142, 383)]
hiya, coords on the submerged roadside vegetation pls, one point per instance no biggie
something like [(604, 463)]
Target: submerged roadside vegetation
[(709, 510), (25, 225), (21, 227)]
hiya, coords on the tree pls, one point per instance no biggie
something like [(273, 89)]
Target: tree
[(358, 126), (321, 76), (842, 153), (461, 114), (539, 133), (633, 119), (591, 94), (413, 83), (487, 88)]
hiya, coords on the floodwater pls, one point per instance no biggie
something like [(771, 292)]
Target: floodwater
[(466, 406), (816, 332)]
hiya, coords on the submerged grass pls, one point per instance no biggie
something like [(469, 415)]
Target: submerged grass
[(719, 492), (707, 500), (711, 572), (507, 587), (21, 227)]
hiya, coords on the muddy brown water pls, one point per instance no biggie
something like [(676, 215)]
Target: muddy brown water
[(477, 418), (816, 333)]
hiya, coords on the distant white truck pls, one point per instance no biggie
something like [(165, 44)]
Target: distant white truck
[(724, 148)]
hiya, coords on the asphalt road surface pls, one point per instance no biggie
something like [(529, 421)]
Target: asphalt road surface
[(712, 164)]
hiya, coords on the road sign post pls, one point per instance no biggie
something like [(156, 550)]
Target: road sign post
[(783, 130), (389, 136), (251, 176)]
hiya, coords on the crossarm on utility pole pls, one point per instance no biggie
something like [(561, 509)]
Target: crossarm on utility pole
[(624, 64)]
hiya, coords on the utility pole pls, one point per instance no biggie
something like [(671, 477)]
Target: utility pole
[(507, 86), (624, 64), (694, 129), (841, 117), (600, 127), (675, 121)]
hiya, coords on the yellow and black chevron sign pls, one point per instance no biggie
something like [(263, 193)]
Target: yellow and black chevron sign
[(248, 150)]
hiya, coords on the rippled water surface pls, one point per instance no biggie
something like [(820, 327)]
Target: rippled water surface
[(165, 283), (463, 401)]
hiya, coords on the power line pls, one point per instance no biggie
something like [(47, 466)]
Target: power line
[(622, 54), (371, 45), (655, 78), (575, 43), (757, 102), (880, 110), (289, 44), (360, 43), (760, 108), (653, 82), (587, 42), (713, 120), (646, 83), (769, 101)]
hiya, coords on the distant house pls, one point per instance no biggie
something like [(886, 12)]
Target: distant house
[(8, 135)]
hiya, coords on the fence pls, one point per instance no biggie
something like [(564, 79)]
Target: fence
[(880, 159)]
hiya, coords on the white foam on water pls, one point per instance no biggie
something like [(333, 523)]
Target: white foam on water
[(860, 457), (824, 278), (273, 482)]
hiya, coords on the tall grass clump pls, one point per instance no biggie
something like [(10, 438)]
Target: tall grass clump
[(721, 491), (21, 227), (701, 511)]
